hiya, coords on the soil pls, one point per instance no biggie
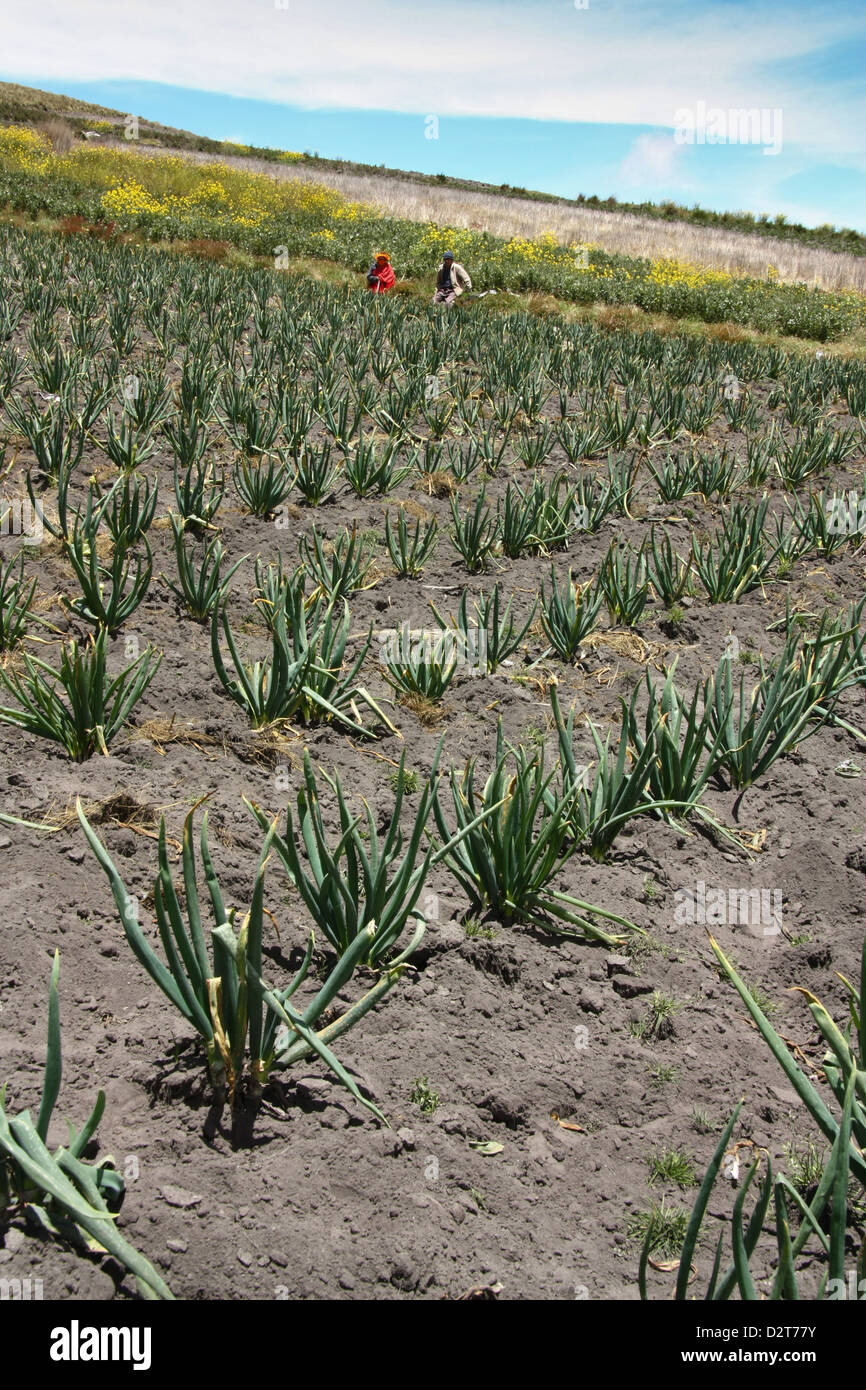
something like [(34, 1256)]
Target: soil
[(527, 1040)]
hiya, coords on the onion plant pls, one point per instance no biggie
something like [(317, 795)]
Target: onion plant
[(753, 728), (110, 594), (735, 559), (494, 635), (58, 446), (475, 534), (304, 679), (262, 483), (220, 992), (200, 586), (316, 474), (95, 708), (198, 491), (62, 1194), (424, 664), (273, 589), (128, 508), (568, 615), (360, 878), (669, 574), (368, 473), (624, 583), (823, 1214), (127, 444), (684, 749), (617, 791), (410, 551), (516, 836), (340, 571), (15, 600)]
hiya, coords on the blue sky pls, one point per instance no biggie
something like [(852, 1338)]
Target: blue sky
[(622, 97)]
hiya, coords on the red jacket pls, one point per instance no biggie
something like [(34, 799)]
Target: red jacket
[(385, 281)]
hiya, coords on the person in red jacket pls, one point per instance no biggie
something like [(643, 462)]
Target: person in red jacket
[(381, 277)]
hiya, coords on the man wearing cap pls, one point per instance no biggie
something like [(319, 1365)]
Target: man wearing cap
[(451, 280), (380, 276)]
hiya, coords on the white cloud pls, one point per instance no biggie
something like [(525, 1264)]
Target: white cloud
[(652, 159), (632, 62)]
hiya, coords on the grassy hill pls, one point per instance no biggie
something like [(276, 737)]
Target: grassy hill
[(19, 104)]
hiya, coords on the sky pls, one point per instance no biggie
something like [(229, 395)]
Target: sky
[(629, 98)]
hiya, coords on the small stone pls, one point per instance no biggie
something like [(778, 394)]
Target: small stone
[(76, 855), (245, 1259), (346, 1282), (179, 1197), (178, 1246), (408, 1138)]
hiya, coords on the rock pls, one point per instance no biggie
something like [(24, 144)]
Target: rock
[(178, 1246), (407, 1137), (179, 1196)]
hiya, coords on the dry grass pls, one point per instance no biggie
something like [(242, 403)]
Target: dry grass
[(739, 253), (61, 135)]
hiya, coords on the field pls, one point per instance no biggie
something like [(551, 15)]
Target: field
[(167, 199), (550, 638)]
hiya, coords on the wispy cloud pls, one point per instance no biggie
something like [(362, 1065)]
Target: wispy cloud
[(652, 159), (632, 62)]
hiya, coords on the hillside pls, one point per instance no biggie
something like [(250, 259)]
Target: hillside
[(626, 228)]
